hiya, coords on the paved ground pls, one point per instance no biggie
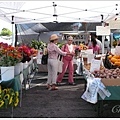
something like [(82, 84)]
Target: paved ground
[(66, 102)]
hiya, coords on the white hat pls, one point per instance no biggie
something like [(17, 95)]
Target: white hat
[(70, 38), (53, 37)]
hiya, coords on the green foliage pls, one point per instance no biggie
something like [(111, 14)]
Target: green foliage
[(5, 32), (40, 45), (60, 45)]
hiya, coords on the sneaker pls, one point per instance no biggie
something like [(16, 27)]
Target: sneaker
[(72, 83), (58, 83)]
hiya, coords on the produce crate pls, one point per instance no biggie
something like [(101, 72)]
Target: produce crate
[(111, 82)]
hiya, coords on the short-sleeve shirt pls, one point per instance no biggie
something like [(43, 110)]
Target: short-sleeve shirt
[(95, 49)]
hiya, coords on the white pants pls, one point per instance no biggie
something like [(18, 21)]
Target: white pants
[(52, 71)]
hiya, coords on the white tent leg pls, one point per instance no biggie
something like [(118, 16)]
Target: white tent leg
[(13, 31)]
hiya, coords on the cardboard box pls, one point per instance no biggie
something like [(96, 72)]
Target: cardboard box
[(87, 66), (107, 81), (111, 82)]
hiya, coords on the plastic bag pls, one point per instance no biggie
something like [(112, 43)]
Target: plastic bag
[(60, 66)]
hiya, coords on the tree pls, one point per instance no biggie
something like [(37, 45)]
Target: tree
[(5, 32)]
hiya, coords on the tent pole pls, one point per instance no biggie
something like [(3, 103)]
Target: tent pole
[(16, 37), (103, 37), (12, 30), (39, 36)]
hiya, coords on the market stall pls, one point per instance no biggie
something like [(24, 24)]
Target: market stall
[(16, 84), (101, 84), (17, 65)]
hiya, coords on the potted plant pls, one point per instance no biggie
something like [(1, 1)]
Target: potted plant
[(26, 53), (39, 45), (9, 57)]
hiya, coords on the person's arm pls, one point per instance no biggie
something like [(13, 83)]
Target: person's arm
[(73, 52), (61, 52), (98, 49), (63, 47)]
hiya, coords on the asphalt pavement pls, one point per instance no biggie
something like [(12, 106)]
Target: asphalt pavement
[(66, 102)]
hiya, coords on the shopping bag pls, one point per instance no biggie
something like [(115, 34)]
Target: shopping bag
[(60, 66)]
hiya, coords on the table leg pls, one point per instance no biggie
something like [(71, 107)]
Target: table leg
[(100, 108), (11, 112)]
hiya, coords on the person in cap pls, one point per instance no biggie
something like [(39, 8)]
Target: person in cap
[(53, 52), (68, 62)]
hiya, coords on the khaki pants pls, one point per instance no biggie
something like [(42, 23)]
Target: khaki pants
[(52, 71)]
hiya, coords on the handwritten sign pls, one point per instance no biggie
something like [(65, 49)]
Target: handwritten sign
[(90, 57), (101, 30), (114, 24), (117, 50), (95, 65)]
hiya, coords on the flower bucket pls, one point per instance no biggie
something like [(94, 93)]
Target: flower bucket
[(31, 61), (25, 65), (40, 53), (21, 66), (7, 73), (17, 69)]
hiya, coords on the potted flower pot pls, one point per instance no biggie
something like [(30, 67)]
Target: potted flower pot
[(7, 73)]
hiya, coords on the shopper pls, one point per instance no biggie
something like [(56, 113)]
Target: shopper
[(68, 62), (53, 52), (94, 46), (99, 43)]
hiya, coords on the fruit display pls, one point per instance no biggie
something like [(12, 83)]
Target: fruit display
[(107, 73), (114, 59)]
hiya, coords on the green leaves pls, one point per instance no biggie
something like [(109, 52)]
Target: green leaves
[(5, 32), (60, 45), (38, 44)]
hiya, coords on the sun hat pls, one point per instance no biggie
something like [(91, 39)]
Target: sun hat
[(53, 37), (70, 38)]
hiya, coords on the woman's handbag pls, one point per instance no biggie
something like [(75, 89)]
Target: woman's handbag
[(44, 59), (60, 64)]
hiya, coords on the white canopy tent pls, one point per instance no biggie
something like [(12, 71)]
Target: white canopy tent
[(58, 11), (61, 11)]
